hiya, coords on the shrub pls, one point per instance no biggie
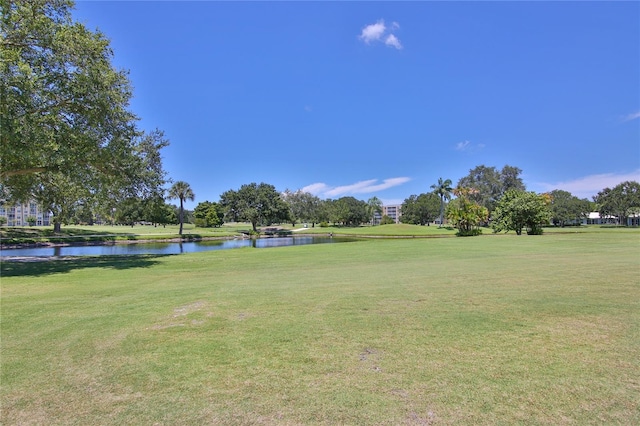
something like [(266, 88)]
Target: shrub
[(324, 225), (469, 233), (536, 230), (386, 220)]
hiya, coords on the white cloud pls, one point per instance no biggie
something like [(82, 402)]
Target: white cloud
[(379, 32), (363, 187), (315, 188), (373, 32), (588, 186), (468, 146), (632, 116), (354, 188), (461, 146), (393, 41)]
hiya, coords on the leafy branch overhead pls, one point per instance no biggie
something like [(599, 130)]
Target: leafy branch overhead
[(65, 112)]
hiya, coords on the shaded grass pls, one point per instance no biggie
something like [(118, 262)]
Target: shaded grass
[(41, 267), (96, 233), (531, 330)]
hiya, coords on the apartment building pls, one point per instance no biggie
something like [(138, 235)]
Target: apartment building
[(19, 214), (393, 211)]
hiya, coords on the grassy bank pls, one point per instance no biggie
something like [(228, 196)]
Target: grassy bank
[(488, 330)]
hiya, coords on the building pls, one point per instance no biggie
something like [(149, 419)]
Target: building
[(19, 214), (393, 211), (594, 218)]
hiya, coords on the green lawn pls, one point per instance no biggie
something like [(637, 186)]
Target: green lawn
[(485, 330)]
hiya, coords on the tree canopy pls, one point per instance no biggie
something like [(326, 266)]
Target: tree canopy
[(566, 207), (520, 209), (348, 211), (622, 200), (303, 206), (255, 203), (490, 184), (420, 209), (208, 214), (67, 131)]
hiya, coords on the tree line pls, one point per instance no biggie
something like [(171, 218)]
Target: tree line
[(70, 142), (499, 199), (486, 197)]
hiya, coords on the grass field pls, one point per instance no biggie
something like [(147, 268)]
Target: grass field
[(486, 330)]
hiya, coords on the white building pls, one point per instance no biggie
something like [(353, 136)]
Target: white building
[(594, 218), (19, 214)]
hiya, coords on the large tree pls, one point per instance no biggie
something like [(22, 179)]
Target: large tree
[(303, 206), (420, 209), (162, 214), (520, 209), (158, 212), (621, 201), (255, 203), (182, 191), (566, 207), (208, 214), (443, 189), (490, 184), (129, 211), (65, 112), (349, 211)]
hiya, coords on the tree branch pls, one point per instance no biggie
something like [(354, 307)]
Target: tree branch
[(22, 172)]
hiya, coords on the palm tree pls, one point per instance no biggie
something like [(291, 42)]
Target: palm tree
[(443, 190), (181, 190), (374, 205)]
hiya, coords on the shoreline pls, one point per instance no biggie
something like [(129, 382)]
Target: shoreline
[(107, 242)]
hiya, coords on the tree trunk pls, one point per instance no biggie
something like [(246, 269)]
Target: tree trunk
[(57, 227), (181, 209)]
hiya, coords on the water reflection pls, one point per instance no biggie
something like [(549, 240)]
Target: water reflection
[(169, 248)]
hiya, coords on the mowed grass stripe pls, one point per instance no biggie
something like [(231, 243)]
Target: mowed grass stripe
[(488, 330)]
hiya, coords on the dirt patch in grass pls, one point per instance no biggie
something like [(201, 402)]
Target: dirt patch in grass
[(180, 316)]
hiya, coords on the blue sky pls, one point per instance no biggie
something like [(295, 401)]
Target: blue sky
[(381, 99)]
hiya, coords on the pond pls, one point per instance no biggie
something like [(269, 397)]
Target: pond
[(167, 248)]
